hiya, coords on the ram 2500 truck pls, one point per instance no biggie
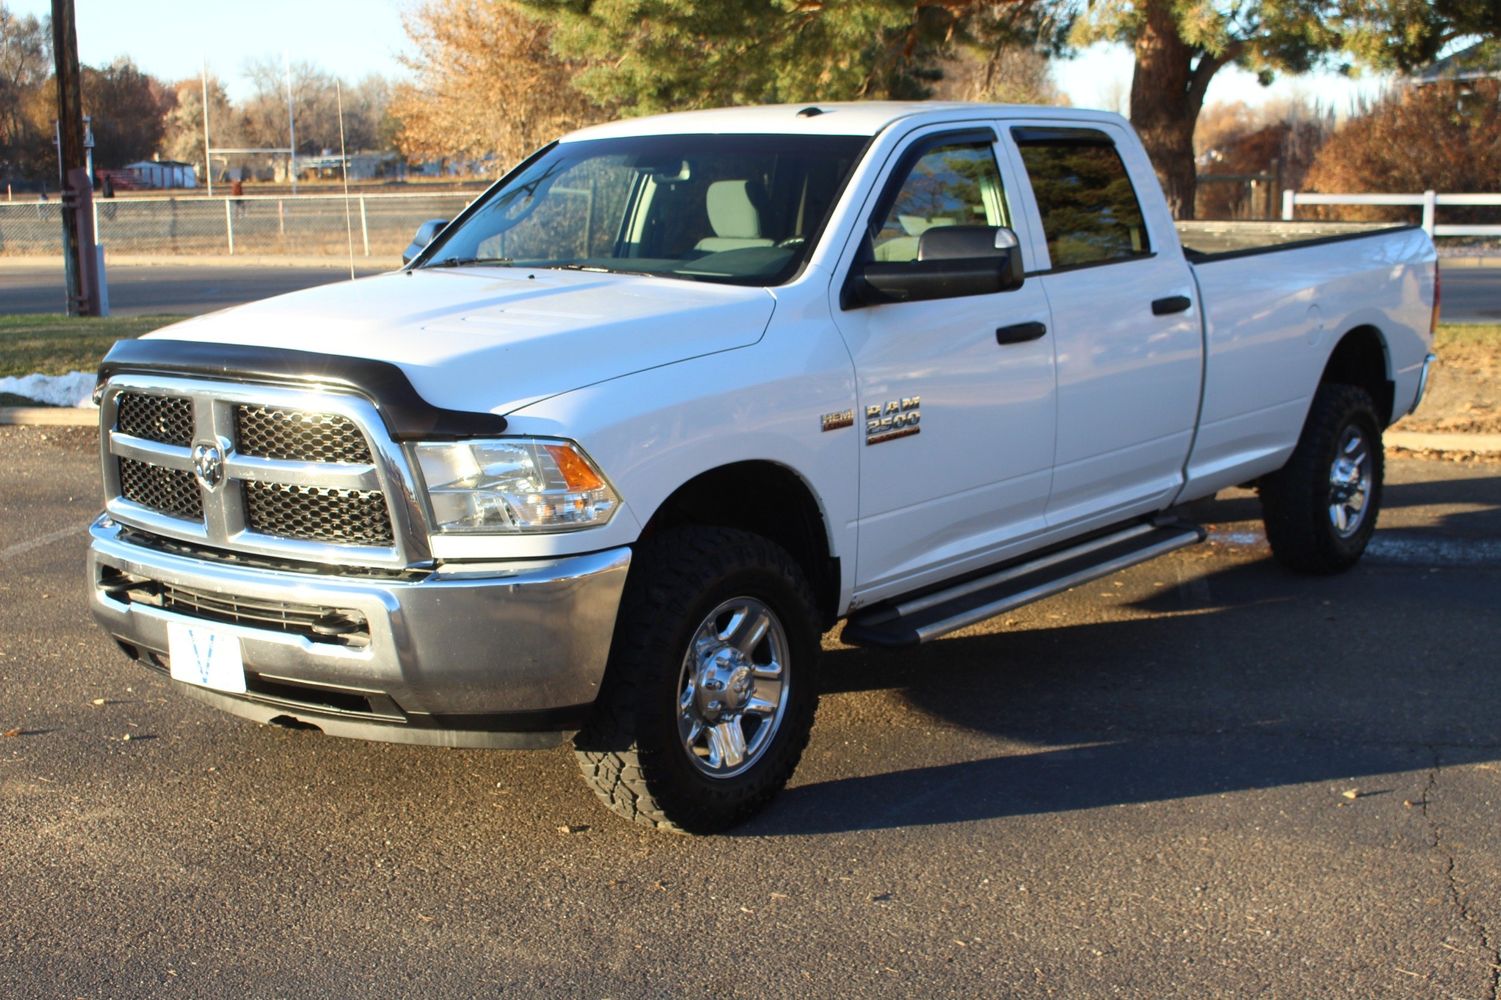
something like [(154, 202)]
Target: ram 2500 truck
[(678, 394)]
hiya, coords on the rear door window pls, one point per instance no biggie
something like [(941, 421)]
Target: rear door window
[(1090, 212)]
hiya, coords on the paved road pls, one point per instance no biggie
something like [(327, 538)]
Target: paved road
[(182, 289), (1202, 777), (1471, 295)]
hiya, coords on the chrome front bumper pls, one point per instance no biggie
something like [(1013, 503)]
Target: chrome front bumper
[(508, 654)]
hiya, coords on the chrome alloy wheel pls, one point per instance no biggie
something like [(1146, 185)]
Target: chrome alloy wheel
[(1350, 479), (732, 691)]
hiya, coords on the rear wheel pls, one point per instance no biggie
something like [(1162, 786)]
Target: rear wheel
[(1320, 509), (710, 694)]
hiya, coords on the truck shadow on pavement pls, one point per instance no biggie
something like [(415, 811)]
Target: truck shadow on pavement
[(1211, 671), (1480, 495)]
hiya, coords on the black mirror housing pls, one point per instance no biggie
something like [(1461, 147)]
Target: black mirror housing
[(425, 234), (952, 261)]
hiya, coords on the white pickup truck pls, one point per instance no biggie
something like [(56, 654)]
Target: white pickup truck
[(678, 394)]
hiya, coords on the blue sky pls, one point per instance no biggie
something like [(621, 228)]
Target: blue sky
[(349, 38), (352, 38)]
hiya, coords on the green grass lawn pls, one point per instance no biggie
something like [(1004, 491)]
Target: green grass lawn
[(56, 345)]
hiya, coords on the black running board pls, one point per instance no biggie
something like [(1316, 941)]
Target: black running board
[(911, 620)]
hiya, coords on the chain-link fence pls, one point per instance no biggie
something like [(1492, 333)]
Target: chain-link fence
[(381, 224)]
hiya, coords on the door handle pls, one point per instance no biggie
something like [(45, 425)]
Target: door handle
[(1020, 333), (1171, 304)]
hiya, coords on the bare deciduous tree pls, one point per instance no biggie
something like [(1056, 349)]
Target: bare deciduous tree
[(129, 112), (25, 67), (487, 84), (182, 138), (314, 106), (1441, 137), (1007, 75)]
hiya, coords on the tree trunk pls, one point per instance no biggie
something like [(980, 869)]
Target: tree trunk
[(1165, 102)]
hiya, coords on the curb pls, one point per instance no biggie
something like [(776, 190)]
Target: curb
[(50, 416), (1474, 444), (1468, 261)]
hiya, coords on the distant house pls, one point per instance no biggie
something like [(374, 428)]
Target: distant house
[(1481, 61), (362, 166), (164, 174)]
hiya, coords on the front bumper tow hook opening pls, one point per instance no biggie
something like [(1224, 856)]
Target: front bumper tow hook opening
[(295, 724)]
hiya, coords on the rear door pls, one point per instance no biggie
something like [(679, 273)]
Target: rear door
[(1125, 322), (955, 394)]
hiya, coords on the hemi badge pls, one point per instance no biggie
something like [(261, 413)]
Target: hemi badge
[(834, 421)]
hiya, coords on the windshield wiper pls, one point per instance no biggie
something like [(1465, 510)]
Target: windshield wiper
[(467, 261), (594, 269)]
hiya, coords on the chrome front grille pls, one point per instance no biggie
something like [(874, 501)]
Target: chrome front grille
[(345, 517), (297, 474), (171, 491), (274, 432), (167, 419)]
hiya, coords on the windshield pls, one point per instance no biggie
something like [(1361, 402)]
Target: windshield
[(738, 209)]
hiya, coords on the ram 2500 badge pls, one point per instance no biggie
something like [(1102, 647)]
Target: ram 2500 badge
[(678, 394)]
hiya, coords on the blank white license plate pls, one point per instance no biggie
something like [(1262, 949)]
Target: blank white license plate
[(207, 657)]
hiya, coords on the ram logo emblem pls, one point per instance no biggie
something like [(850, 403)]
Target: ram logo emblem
[(208, 464), (895, 418)]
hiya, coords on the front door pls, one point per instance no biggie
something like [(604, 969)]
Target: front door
[(956, 394)]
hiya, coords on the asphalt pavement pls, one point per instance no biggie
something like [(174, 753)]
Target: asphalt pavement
[(1471, 295), (1201, 777), (184, 289)]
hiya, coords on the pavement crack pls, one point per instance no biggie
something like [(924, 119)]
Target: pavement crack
[(1488, 943)]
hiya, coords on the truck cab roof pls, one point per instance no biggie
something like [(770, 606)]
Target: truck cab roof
[(829, 118)]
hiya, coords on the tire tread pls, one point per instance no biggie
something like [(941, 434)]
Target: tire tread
[(1294, 499), (671, 573)]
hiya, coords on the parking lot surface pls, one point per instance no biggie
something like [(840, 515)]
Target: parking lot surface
[(167, 288), (1200, 777)]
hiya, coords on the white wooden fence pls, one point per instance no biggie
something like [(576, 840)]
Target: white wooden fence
[(1429, 200)]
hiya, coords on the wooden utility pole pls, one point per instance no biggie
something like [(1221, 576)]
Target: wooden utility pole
[(79, 255)]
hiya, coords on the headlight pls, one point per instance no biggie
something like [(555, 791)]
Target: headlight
[(514, 485)]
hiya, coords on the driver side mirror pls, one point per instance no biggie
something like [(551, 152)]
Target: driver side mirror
[(425, 234), (952, 261)]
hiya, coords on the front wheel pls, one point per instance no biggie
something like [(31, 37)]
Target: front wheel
[(1320, 509), (710, 693)]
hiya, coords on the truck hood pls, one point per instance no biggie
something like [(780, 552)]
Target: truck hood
[(495, 339)]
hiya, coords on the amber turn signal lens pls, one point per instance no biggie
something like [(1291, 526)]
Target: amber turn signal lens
[(576, 472)]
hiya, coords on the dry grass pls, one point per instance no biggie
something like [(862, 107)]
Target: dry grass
[(1464, 391)]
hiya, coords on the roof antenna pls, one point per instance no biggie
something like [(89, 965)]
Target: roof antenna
[(344, 163), (812, 111)]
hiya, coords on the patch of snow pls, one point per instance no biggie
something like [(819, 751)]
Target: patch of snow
[(72, 389)]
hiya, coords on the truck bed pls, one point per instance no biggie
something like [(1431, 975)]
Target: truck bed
[(1207, 241), (1272, 315)]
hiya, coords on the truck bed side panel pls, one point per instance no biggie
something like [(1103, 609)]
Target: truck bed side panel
[(1272, 321)]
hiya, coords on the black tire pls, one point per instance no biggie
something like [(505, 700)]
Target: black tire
[(686, 585), (1301, 503)]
